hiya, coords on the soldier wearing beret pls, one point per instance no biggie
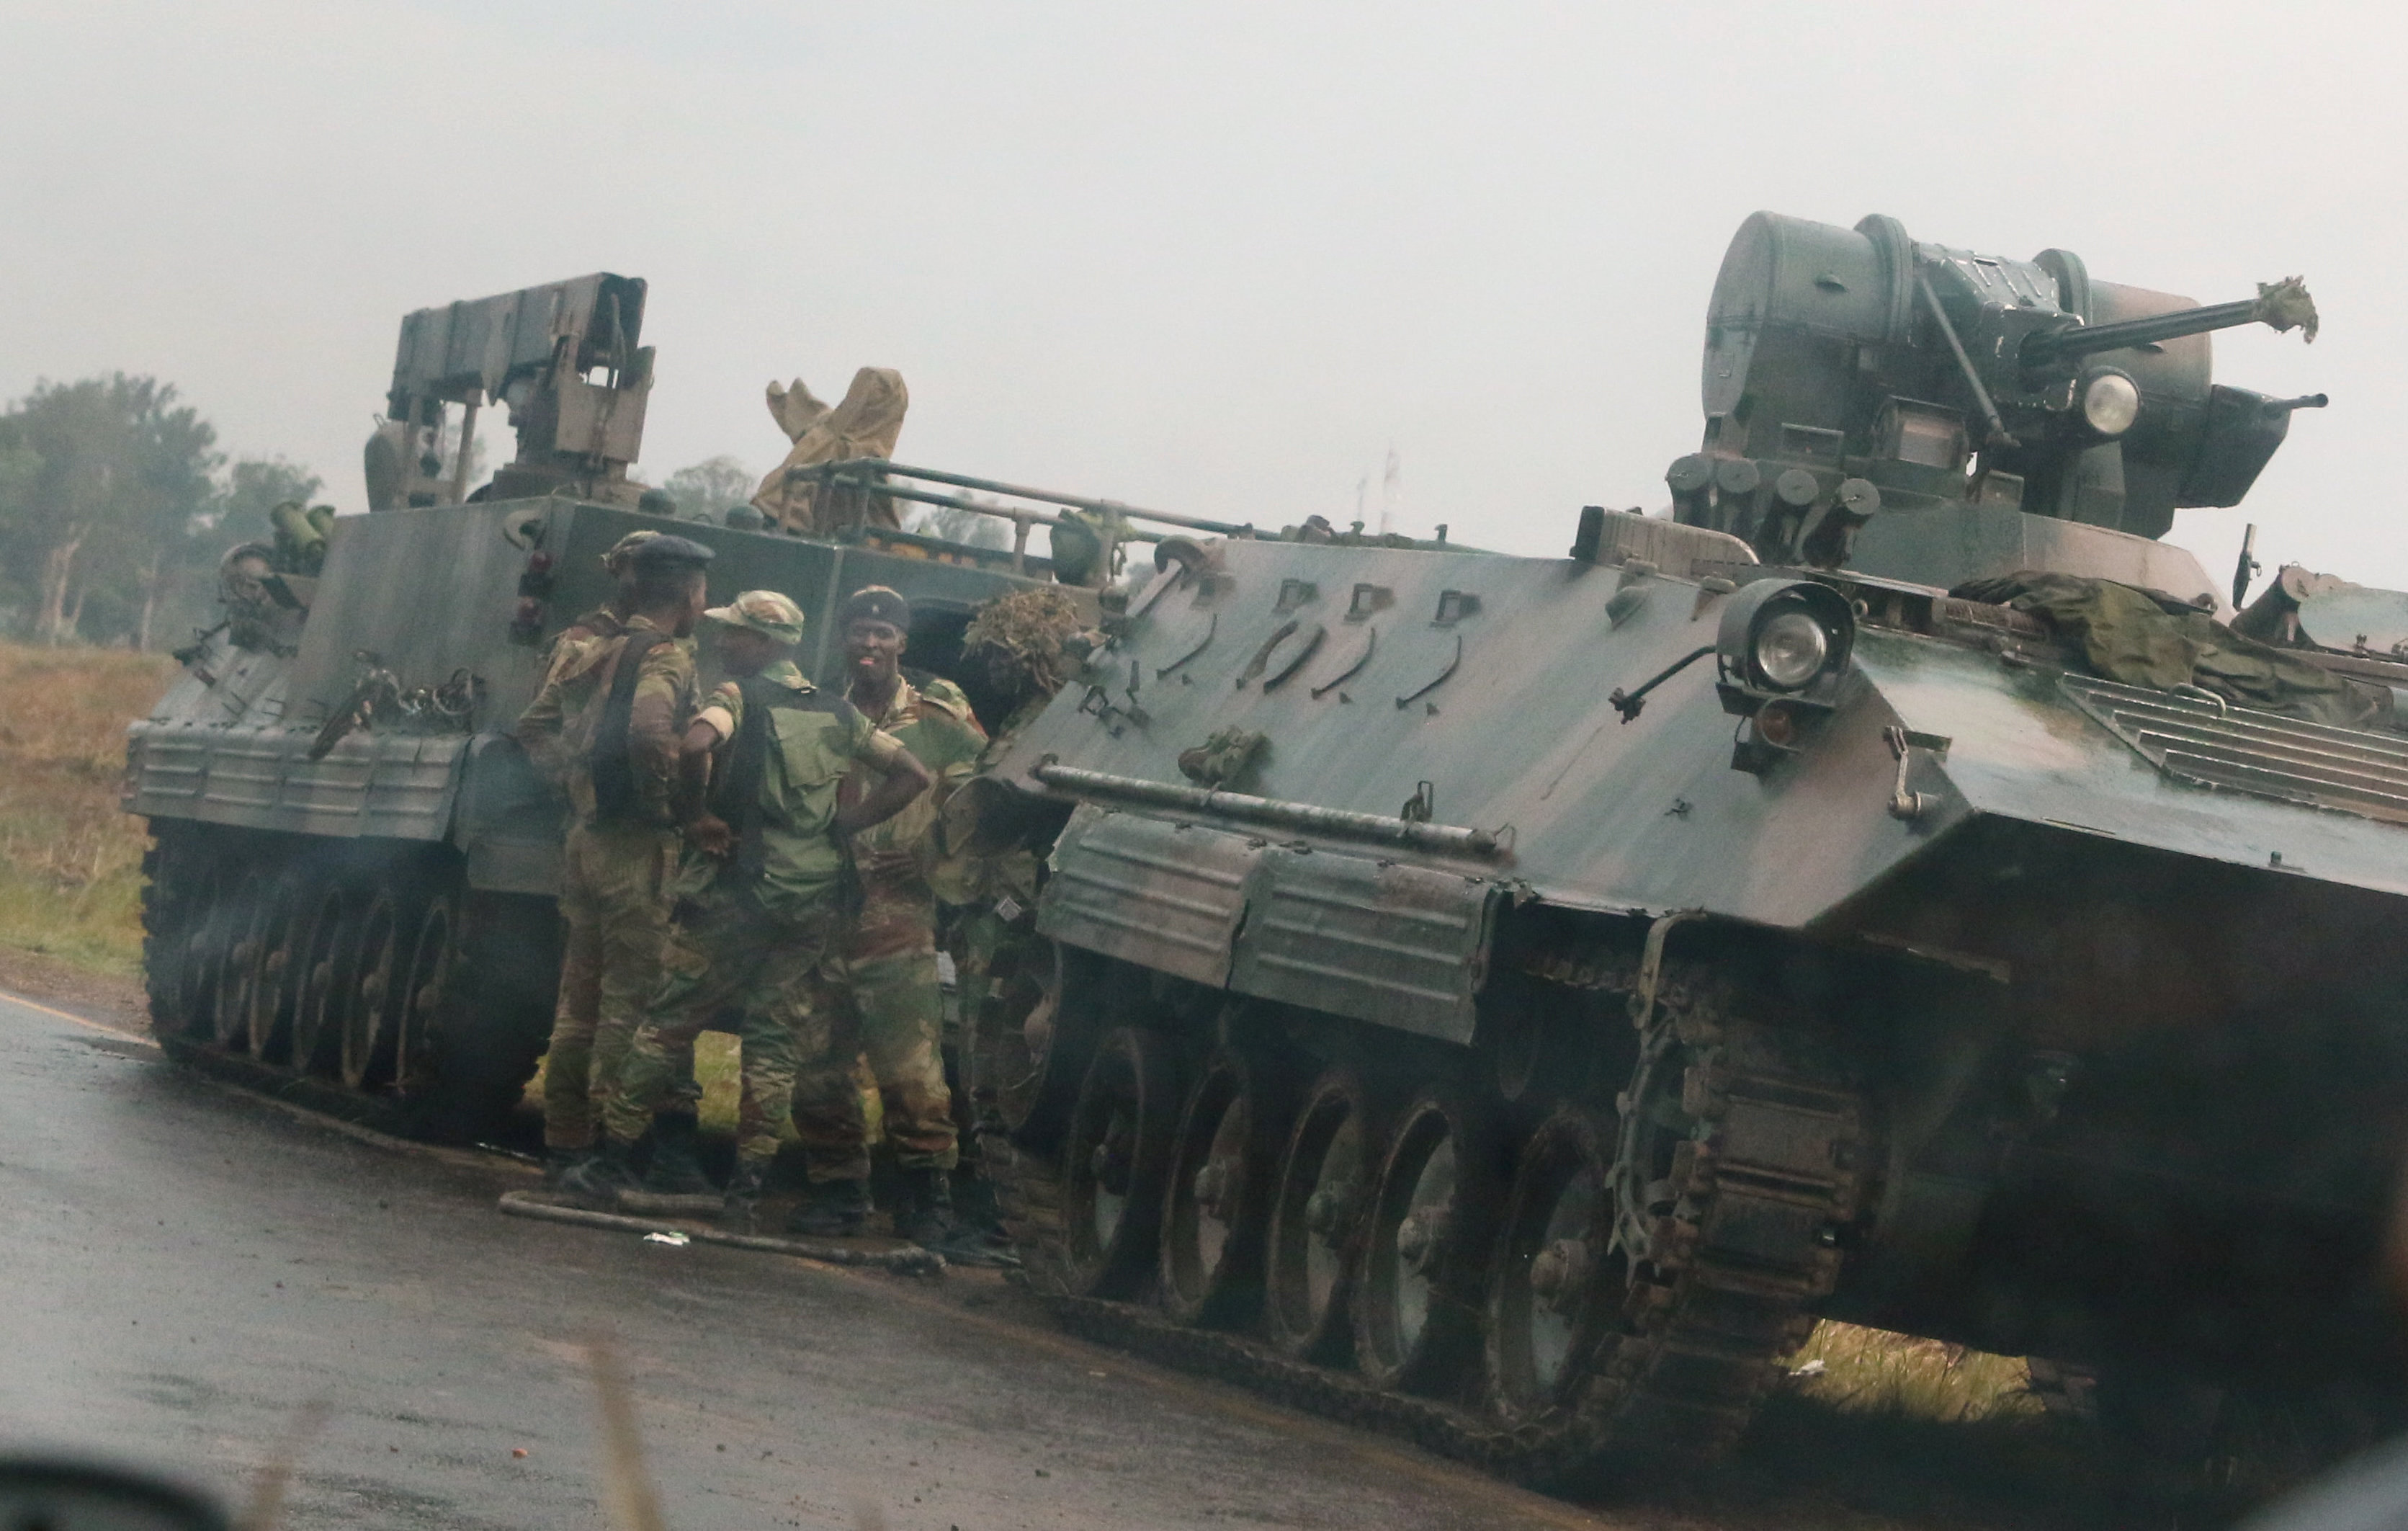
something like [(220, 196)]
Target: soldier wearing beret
[(882, 977)]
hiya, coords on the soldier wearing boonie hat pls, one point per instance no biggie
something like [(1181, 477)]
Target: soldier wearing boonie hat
[(760, 901), (765, 612), (607, 727)]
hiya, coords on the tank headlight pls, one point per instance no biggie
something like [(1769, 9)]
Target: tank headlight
[(2110, 403), (1789, 650), (1784, 635)]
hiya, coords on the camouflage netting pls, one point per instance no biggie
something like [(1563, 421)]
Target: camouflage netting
[(2145, 637), (1029, 626)]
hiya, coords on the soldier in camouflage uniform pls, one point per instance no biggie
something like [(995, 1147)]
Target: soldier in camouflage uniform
[(610, 619), (883, 974), (758, 907), (607, 727), (1029, 643)]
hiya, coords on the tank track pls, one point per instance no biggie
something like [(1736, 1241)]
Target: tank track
[(1745, 1243)]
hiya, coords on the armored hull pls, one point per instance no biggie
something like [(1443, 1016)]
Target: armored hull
[(352, 893), (1966, 1016), (1601, 968)]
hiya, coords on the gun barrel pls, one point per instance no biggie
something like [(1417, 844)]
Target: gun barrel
[(2089, 340)]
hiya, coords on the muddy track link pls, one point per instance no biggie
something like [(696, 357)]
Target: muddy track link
[(1739, 1242)]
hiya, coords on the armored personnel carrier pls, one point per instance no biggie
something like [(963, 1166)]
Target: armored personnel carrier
[(350, 894), (1512, 999)]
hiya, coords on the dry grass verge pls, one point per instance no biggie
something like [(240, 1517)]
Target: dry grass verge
[(70, 861)]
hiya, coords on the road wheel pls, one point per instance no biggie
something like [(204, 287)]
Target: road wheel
[(477, 1040), (1116, 1159), (237, 969), (1544, 1310), (316, 1006), (1037, 1037), (377, 967), (1422, 1280), (1320, 1194), (1216, 1216), (280, 928), (200, 954), (429, 989)]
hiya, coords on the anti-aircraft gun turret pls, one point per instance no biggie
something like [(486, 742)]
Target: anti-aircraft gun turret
[(1907, 409)]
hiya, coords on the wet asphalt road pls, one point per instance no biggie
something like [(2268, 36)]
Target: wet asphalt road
[(182, 1269)]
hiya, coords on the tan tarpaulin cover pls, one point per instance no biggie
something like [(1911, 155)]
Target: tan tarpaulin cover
[(2142, 638), (865, 425)]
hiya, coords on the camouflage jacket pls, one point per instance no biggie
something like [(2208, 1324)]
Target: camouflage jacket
[(790, 860), (972, 870), (937, 726), (558, 727)]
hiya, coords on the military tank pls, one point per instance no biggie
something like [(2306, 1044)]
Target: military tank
[(351, 893), (1510, 999)]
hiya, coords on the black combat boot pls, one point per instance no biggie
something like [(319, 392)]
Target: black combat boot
[(560, 1163), (831, 1210), (926, 1218), (741, 1207), (597, 1182), (927, 1215), (676, 1169)]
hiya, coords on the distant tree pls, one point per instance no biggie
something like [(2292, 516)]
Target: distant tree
[(704, 491), (955, 524), (108, 481)]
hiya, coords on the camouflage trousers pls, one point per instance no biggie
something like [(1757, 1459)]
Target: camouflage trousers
[(732, 956), (1002, 968), (614, 901), (886, 1009)]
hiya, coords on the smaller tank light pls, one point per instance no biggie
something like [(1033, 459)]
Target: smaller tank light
[(2110, 403), (1777, 724)]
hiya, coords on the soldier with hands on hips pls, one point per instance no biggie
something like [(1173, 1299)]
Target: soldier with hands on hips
[(882, 977)]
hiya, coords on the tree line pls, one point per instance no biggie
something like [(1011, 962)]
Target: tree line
[(115, 504)]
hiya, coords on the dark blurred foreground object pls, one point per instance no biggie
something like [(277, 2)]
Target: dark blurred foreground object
[(49, 1493)]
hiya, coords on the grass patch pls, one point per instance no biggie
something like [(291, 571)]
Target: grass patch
[(71, 860)]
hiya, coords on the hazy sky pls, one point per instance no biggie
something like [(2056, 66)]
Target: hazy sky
[(1217, 258)]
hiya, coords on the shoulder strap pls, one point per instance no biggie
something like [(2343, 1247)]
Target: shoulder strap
[(615, 793), (736, 792)]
